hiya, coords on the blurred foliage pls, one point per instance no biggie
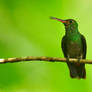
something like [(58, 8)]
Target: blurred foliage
[(26, 30)]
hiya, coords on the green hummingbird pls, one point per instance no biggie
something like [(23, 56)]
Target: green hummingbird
[(74, 46)]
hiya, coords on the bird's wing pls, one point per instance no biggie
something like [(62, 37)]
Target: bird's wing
[(64, 48), (84, 46)]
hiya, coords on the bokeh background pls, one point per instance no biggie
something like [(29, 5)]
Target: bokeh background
[(26, 30)]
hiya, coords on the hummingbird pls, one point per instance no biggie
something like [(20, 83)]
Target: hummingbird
[(73, 45)]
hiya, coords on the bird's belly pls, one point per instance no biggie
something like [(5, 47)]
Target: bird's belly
[(74, 50)]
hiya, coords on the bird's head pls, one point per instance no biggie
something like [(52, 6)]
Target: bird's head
[(70, 24)]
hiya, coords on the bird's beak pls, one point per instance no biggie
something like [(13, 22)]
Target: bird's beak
[(63, 21)]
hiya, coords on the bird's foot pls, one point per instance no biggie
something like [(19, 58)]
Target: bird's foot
[(67, 59), (79, 58)]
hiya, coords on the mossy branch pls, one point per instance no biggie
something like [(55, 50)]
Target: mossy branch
[(43, 58)]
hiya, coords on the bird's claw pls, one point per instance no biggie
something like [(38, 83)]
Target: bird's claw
[(79, 58)]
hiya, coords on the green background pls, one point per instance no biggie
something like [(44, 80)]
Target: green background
[(26, 30)]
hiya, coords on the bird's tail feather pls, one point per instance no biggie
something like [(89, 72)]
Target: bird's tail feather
[(77, 70)]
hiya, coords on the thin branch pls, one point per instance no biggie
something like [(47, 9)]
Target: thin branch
[(43, 58)]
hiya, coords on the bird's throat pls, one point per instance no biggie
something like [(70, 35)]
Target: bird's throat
[(75, 37)]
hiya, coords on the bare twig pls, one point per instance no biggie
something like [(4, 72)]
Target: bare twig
[(43, 58)]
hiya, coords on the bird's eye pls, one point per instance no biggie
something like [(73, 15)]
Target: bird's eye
[(70, 21)]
